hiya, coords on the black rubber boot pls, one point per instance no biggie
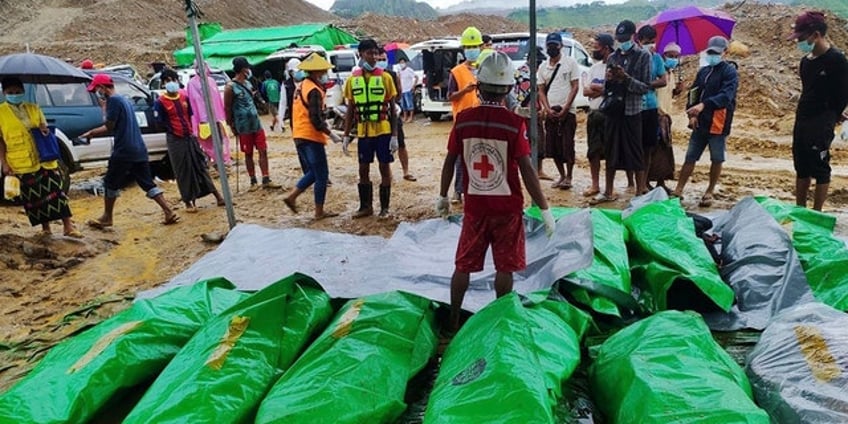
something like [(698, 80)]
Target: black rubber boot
[(366, 198), (385, 195)]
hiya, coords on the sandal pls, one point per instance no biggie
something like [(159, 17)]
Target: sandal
[(97, 224), (74, 234), (290, 203), (191, 209), (566, 185), (706, 201), (325, 215), (591, 192), (602, 198), (410, 177), (171, 219)]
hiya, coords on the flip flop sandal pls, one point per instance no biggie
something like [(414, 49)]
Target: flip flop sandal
[(706, 201), (565, 186), (325, 215), (291, 205), (192, 209), (74, 234), (171, 220), (590, 192), (94, 223), (410, 177), (602, 198)]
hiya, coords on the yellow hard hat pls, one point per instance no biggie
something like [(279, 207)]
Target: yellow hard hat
[(471, 37), (314, 62)]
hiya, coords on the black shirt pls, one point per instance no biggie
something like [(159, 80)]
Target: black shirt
[(825, 85)]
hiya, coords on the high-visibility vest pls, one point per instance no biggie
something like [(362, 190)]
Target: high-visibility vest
[(303, 128), (463, 76), (21, 154), (369, 96)]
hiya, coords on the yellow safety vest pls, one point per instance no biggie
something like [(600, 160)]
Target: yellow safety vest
[(21, 154), (370, 98)]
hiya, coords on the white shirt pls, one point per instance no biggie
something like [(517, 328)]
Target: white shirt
[(597, 75), (407, 79), (560, 88)]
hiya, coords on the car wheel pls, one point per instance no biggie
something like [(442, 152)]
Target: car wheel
[(417, 100), (162, 168), (434, 116)]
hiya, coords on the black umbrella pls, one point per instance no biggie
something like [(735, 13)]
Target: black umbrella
[(39, 69)]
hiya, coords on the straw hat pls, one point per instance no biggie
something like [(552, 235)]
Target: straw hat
[(314, 62)]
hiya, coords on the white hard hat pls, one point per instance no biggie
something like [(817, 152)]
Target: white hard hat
[(496, 69), (292, 64)]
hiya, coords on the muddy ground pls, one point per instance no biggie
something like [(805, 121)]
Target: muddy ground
[(52, 288)]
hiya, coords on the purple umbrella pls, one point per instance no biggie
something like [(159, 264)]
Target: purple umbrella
[(690, 27)]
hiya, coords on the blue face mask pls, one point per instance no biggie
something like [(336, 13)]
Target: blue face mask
[(471, 55), (299, 75), (713, 59), (366, 66), (172, 87), (626, 45), (324, 79), (383, 64), (15, 99), (671, 63), (805, 46)]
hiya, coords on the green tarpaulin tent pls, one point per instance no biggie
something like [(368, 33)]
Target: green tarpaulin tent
[(257, 43)]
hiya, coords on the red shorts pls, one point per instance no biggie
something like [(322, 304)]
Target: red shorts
[(252, 140), (505, 233)]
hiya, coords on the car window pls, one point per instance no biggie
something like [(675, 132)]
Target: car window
[(582, 58), (416, 60), (343, 62), (155, 83), (130, 91), (64, 94), (516, 50), (42, 97), (220, 78)]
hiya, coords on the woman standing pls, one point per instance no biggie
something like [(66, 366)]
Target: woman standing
[(201, 123), (41, 184), (310, 133), (187, 159)]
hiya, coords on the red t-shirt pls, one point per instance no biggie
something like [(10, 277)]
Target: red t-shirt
[(489, 140)]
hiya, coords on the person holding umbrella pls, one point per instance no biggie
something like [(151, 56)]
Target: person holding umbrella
[(41, 183), (310, 134)]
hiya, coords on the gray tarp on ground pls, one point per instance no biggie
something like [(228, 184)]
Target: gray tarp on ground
[(798, 368), (418, 258), (760, 265)]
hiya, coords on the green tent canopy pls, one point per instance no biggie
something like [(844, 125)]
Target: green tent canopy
[(257, 43)]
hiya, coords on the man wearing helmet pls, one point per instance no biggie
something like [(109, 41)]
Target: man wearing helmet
[(490, 144), (462, 85)]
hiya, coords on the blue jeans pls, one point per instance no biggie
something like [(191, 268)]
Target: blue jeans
[(318, 172)]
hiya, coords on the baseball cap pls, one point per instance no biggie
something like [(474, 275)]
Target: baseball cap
[(100, 79), (87, 64), (605, 39), (807, 23), (717, 45), (625, 30), (240, 63), (553, 38)]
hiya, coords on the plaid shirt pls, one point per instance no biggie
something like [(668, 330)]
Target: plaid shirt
[(637, 64)]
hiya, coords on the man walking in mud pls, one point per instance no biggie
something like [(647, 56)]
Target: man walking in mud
[(824, 96)]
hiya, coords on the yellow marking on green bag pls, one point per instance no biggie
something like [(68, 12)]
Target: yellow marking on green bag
[(238, 325), (346, 321), (816, 353), (102, 343)]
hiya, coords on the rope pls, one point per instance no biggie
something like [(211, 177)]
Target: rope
[(192, 9)]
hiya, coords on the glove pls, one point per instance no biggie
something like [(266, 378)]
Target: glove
[(345, 143), (393, 144), (550, 224), (443, 206), (335, 137)]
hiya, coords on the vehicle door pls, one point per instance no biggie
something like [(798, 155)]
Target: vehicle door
[(142, 101)]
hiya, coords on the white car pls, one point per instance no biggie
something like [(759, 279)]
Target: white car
[(333, 87), (517, 46), (438, 57), (221, 79)]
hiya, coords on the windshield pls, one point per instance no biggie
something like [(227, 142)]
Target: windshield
[(343, 62), (517, 49), (416, 59)]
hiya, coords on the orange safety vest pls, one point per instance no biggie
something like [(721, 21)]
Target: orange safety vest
[(303, 127), (463, 76)]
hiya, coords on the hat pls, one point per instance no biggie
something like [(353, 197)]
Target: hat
[(625, 30), (292, 64), (554, 38), (807, 23), (314, 62), (367, 44), (605, 39), (240, 63), (100, 79), (672, 47), (717, 45), (87, 64)]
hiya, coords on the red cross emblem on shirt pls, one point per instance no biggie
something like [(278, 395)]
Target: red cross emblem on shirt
[(484, 166)]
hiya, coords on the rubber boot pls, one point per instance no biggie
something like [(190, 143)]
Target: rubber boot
[(366, 198), (385, 195)]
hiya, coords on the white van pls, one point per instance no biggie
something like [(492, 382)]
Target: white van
[(438, 57), (517, 46), (333, 87)]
